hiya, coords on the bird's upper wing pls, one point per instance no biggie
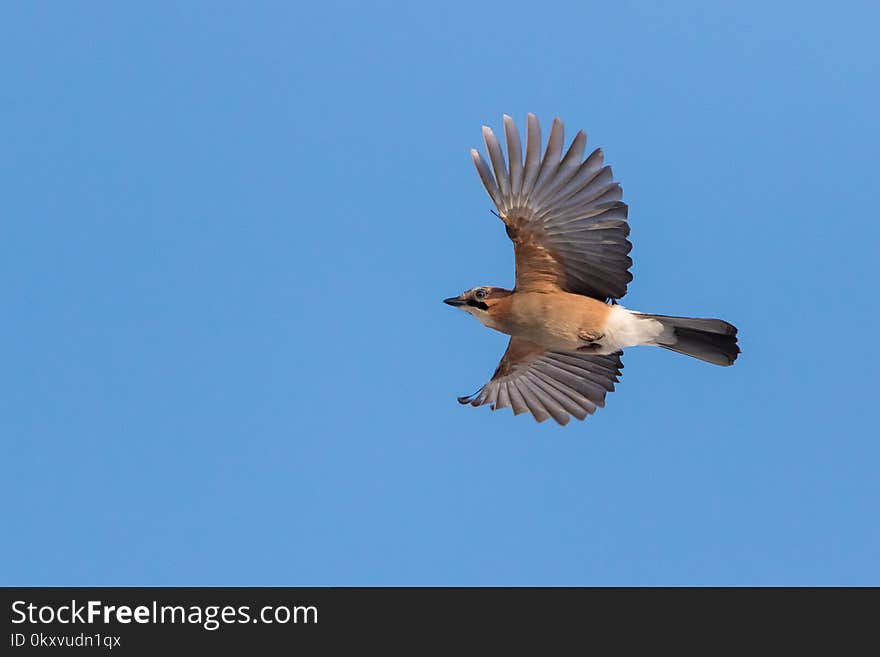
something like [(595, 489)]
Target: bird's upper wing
[(547, 383), (563, 213)]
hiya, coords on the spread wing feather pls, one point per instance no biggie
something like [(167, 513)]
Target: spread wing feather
[(563, 213), (548, 384)]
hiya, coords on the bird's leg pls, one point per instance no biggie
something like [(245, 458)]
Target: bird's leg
[(591, 337)]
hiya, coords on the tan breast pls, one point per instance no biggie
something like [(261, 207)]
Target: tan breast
[(551, 319)]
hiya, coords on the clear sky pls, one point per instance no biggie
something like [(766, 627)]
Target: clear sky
[(226, 230)]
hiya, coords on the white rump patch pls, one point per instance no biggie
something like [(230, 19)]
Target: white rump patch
[(627, 328)]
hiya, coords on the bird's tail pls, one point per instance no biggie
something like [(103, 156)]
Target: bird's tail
[(711, 340)]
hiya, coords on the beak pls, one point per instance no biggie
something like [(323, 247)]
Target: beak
[(454, 301)]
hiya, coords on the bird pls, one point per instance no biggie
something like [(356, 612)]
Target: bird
[(569, 226)]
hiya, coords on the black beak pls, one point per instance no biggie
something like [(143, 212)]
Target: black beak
[(454, 301)]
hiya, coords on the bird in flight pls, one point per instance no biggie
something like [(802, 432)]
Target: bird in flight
[(568, 225)]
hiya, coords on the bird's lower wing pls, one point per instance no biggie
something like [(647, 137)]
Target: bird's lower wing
[(547, 383)]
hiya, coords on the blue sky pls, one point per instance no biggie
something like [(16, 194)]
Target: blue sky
[(227, 229)]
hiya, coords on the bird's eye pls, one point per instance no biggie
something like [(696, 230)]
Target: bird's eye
[(481, 294)]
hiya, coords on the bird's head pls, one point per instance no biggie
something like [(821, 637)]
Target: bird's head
[(479, 301)]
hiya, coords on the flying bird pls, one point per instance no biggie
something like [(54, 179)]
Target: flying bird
[(568, 225)]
